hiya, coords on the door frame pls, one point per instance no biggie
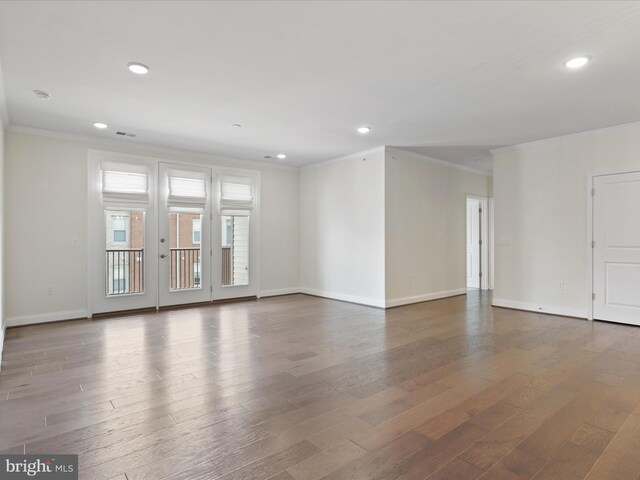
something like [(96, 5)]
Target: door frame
[(590, 234), (485, 281)]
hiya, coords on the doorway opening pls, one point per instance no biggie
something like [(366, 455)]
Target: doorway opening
[(477, 243)]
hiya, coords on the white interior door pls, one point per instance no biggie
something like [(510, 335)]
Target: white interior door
[(184, 234), (473, 243), (616, 252)]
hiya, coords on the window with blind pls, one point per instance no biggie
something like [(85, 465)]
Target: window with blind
[(125, 196), (236, 204), (125, 184)]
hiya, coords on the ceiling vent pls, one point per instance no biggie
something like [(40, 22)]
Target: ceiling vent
[(125, 134), (42, 95)]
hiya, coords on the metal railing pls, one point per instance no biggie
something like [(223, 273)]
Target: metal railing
[(125, 271), (227, 266), (185, 268)]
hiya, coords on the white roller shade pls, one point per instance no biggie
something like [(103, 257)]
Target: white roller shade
[(236, 194), (125, 183), (187, 190)]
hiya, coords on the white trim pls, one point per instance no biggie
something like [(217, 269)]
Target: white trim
[(589, 287), (370, 302), (343, 158), (46, 318), (536, 307), (278, 291), (562, 138), (2, 336), (491, 229), (437, 161), (396, 302), (147, 149)]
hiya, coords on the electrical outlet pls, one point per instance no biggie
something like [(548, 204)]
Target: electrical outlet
[(560, 285), (410, 278), (49, 289), (75, 242)]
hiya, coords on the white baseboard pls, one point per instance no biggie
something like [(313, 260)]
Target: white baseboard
[(279, 291), (535, 307), (370, 302), (45, 318), (396, 302)]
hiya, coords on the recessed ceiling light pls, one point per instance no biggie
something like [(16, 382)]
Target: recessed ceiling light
[(577, 62), (138, 68), (364, 129), (100, 125), (42, 95), (281, 156)]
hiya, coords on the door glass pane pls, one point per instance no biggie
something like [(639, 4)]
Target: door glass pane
[(124, 252), (184, 238), (235, 250)]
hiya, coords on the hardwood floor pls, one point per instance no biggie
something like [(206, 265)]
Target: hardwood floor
[(303, 388)]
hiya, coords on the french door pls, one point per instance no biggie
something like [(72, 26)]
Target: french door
[(236, 234), (184, 235), (163, 234), (122, 266)]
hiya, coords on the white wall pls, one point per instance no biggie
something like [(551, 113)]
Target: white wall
[(342, 228), (46, 189), (426, 226), (541, 204)]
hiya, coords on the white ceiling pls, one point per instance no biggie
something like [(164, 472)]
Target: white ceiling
[(448, 79)]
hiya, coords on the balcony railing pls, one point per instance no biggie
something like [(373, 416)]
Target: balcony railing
[(125, 271), (185, 268), (227, 266)]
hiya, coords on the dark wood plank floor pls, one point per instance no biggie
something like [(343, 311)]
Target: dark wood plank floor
[(304, 388)]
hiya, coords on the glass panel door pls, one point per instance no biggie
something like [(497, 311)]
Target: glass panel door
[(185, 241), (122, 265), (235, 234)]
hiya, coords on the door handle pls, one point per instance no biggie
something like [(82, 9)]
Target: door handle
[(163, 256)]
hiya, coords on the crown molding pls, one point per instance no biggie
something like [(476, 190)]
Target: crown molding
[(563, 138), (437, 161), (147, 149)]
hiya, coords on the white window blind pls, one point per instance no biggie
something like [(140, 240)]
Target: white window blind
[(125, 183), (187, 190), (236, 195)]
